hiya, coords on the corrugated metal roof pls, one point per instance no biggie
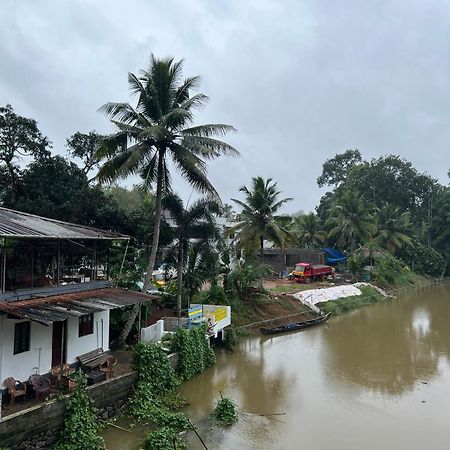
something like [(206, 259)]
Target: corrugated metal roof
[(57, 308), (17, 224)]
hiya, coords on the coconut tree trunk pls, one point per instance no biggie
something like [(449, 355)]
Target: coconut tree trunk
[(180, 278), (261, 248), (156, 227), (151, 263)]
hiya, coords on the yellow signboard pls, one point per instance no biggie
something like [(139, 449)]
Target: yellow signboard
[(220, 313)]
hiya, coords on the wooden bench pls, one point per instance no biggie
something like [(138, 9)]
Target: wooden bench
[(92, 360)]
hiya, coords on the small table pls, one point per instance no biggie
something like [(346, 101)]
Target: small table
[(95, 377)]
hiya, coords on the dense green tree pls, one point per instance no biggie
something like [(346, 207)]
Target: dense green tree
[(129, 199), (187, 223), (440, 230), (52, 187), (351, 220), (84, 146), (424, 259), (393, 180), (335, 170), (157, 130), (56, 188), (19, 137), (388, 179), (258, 220), (394, 228), (309, 231)]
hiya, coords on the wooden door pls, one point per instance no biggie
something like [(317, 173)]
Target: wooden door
[(58, 344)]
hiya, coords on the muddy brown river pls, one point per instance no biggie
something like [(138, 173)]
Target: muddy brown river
[(377, 378)]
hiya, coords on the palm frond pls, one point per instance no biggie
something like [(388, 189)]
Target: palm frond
[(183, 91), (120, 111), (192, 168), (135, 85), (207, 147), (208, 130)]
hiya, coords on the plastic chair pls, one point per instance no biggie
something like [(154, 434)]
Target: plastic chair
[(13, 392), (41, 386), (108, 367)]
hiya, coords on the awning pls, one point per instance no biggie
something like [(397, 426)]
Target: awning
[(57, 308), (17, 224)]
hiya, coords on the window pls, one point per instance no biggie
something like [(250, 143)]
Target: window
[(86, 325), (22, 337)]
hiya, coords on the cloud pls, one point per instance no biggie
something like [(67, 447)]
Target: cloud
[(300, 80)]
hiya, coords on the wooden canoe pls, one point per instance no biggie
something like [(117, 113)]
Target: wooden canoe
[(296, 325)]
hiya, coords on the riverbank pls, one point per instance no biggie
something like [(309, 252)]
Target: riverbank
[(277, 306), (268, 307)]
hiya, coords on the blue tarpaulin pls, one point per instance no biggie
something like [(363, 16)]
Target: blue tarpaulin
[(333, 256)]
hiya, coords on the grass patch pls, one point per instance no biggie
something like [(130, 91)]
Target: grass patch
[(368, 296)]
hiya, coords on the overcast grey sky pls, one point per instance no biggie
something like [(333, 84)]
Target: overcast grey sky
[(301, 80)]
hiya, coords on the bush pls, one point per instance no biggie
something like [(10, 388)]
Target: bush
[(225, 411), (195, 354), (215, 295), (389, 268), (424, 259), (174, 401), (150, 361), (154, 393), (244, 280), (165, 438), (81, 428), (156, 378), (230, 338)]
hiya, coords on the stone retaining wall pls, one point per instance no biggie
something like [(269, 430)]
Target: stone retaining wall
[(38, 427)]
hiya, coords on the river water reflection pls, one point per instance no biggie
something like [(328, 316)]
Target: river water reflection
[(378, 378)]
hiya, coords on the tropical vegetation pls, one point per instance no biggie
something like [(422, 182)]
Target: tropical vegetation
[(156, 133), (373, 210), (257, 221)]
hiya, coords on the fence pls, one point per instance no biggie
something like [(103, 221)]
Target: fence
[(153, 333)]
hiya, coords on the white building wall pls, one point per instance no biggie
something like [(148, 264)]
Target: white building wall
[(24, 364), (100, 338)]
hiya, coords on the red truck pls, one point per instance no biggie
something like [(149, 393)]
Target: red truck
[(305, 272)]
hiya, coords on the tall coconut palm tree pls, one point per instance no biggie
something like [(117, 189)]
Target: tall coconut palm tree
[(187, 223), (156, 131), (351, 220), (393, 228), (308, 230), (258, 220)]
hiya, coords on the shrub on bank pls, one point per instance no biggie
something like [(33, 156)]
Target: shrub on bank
[(81, 428), (225, 413), (424, 259), (152, 394), (368, 296), (165, 438), (195, 354), (154, 398), (390, 270)]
